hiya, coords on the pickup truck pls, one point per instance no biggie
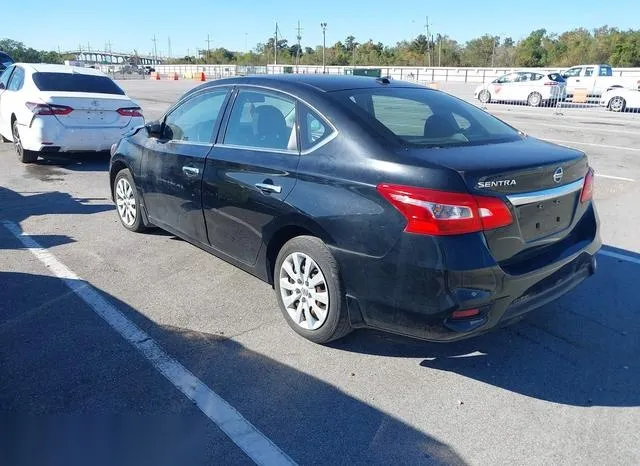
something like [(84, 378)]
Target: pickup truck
[(596, 79)]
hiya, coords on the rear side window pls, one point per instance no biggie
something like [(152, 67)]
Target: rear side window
[(424, 118), (314, 129), (588, 71), (70, 82), (6, 74), (605, 71)]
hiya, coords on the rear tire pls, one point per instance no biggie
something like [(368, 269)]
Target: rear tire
[(128, 202), (309, 290), (25, 156), (617, 104), (484, 96), (534, 99)]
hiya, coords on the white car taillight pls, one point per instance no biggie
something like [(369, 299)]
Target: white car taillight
[(47, 109), (130, 111)]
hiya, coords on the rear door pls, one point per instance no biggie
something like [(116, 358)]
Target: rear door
[(251, 172), (505, 88), (173, 164)]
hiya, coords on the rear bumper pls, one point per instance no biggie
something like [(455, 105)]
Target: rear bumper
[(51, 136), (414, 293)]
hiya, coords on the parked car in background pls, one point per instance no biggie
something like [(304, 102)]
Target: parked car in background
[(619, 99), (57, 108), (381, 204), (595, 80), (149, 69), (535, 88), (5, 61)]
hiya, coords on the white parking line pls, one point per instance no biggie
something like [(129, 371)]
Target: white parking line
[(617, 255), (621, 178), (606, 146), (246, 436)]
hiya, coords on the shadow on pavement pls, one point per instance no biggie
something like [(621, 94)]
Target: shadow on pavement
[(98, 401), (77, 161), (16, 207), (581, 350)]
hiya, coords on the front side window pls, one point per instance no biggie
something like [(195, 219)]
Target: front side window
[(194, 120), (424, 118), (17, 80), (573, 72), (262, 119), (507, 78), (588, 71)]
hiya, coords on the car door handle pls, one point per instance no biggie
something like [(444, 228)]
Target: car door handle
[(190, 171), (269, 188)]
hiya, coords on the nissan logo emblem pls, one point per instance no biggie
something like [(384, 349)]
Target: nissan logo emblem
[(557, 175)]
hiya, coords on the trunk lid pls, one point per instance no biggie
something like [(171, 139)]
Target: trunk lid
[(540, 182), (90, 109)]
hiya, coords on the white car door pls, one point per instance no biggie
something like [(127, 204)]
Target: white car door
[(588, 79), (573, 78), (502, 89), (5, 130)]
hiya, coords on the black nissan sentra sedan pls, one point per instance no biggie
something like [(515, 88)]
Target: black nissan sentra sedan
[(365, 202)]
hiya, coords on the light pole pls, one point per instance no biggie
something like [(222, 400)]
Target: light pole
[(324, 45)]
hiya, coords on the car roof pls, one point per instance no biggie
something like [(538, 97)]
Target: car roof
[(319, 82), (51, 68)]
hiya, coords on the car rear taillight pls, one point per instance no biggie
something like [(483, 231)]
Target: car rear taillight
[(587, 188), (130, 111), (432, 212), (48, 109), (551, 83)]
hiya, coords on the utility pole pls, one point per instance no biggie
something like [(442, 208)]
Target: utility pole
[(439, 49), (246, 49), (169, 47), (208, 47), (428, 42), (324, 45), (493, 52), (275, 48), (299, 37), (155, 50)]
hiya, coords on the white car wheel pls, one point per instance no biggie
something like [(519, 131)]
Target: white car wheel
[(617, 104), (484, 96), (534, 99)]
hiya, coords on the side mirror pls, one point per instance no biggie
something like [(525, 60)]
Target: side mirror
[(564, 75), (154, 129)]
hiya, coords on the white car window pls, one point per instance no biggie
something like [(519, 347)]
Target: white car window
[(507, 78), (573, 72), (17, 80), (4, 77), (588, 71)]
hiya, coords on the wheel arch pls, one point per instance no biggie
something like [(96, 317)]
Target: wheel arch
[(116, 167), (292, 227)]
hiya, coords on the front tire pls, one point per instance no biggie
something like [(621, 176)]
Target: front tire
[(128, 202), (25, 156), (617, 104), (484, 96), (309, 290)]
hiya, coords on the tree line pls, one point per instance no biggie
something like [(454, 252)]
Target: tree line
[(540, 49)]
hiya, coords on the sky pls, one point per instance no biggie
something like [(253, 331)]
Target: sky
[(131, 25)]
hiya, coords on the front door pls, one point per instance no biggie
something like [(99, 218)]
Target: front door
[(173, 164), (251, 172)]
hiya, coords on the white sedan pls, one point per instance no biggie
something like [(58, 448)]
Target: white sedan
[(619, 99), (56, 108), (532, 87)]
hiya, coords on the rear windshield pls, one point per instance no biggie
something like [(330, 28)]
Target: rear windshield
[(425, 118), (556, 77), (69, 82)]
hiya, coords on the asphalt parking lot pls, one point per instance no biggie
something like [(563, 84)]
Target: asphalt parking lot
[(123, 345)]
